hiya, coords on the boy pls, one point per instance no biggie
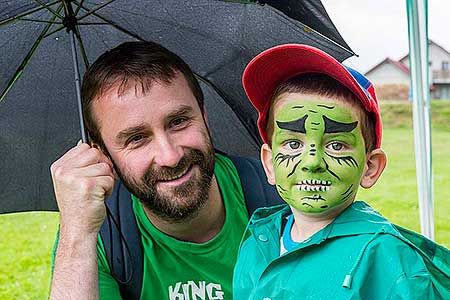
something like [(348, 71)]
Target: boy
[(321, 126)]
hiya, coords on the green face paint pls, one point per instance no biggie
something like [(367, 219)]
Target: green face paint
[(318, 152)]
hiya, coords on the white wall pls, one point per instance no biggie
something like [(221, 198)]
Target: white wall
[(388, 74)]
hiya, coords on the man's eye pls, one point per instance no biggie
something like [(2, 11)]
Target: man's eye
[(336, 146), (178, 121), (135, 139)]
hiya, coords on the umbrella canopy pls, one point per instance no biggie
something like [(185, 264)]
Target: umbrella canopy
[(38, 100)]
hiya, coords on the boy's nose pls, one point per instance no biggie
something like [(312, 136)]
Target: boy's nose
[(167, 152), (313, 162)]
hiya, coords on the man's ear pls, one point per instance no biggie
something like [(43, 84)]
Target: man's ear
[(107, 158), (267, 162), (375, 163)]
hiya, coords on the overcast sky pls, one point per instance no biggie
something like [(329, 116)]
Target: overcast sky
[(379, 29)]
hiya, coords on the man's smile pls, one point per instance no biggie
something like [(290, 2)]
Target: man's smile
[(177, 179)]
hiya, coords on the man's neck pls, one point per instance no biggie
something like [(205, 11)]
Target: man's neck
[(200, 229)]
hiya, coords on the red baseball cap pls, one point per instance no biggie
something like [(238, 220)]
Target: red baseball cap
[(270, 68)]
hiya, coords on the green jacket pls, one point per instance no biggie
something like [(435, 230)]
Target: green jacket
[(360, 255)]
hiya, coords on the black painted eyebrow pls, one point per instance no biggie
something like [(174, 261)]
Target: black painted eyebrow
[(334, 126), (325, 106), (296, 125)]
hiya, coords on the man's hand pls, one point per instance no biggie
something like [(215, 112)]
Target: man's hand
[(82, 179)]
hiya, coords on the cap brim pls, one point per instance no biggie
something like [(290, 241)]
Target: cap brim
[(274, 66)]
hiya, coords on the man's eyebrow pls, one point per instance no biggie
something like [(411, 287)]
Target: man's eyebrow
[(124, 134), (181, 111), (295, 125), (335, 126)]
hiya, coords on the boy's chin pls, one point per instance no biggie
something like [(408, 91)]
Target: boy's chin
[(324, 209)]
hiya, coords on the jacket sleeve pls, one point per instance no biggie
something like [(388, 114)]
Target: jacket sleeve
[(415, 287)]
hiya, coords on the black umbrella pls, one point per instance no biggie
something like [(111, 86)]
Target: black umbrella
[(45, 45)]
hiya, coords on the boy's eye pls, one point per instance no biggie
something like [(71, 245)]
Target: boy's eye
[(293, 145), (336, 146)]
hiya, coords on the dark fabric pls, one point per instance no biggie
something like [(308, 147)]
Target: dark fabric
[(118, 232), (39, 117), (257, 191), (127, 264)]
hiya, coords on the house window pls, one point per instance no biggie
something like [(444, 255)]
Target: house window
[(445, 65)]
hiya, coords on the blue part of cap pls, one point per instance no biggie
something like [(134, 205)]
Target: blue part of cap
[(361, 79)]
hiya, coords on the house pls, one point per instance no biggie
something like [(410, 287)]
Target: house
[(392, 78)]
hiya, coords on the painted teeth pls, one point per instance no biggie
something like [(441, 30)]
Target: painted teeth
[(315, 181), (314, 185), (311, 188)]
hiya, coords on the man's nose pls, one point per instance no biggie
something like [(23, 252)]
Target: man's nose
[(167, 152)]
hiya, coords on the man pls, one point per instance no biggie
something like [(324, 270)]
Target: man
[(145, 115)]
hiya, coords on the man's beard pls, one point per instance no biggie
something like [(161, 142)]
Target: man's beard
[(176, 203)]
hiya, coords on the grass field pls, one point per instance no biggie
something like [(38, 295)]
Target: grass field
[(27, 238)]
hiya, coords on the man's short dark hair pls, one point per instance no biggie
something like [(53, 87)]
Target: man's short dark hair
[(132, 63), (326, 86)]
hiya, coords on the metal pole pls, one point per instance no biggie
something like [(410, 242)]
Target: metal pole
[(84, 137), (418, 50), (70, 22)]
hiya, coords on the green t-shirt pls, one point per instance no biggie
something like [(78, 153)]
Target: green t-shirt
[(177, 270)]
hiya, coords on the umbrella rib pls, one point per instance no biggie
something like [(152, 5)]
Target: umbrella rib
[(39, 21), (92, 11), (78, 8), (315, 31), (118, 27), (254, 137), (92, 23), (15, 18), (83, 50), (27, 58), (55, 31), (55, 13)]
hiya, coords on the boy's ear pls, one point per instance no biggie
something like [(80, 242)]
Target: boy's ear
[(375, 163), (267, 162)]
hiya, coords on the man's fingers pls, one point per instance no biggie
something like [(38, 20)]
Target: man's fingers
[(85, 157), (94, 170), (106, 183), (72, 152)]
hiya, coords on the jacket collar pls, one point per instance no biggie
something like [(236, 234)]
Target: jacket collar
[(358, 218)]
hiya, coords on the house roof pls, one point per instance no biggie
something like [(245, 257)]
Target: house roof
[(395, 63), (430, 42)]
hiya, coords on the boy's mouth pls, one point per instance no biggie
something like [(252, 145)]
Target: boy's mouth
[(314, 185)]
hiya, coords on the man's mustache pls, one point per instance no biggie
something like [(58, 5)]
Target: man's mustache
[(155, 174)]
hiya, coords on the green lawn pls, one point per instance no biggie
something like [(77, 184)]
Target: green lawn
[(25, 247), (27, 238)]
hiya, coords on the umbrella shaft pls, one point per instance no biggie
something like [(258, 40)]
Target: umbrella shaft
[(84, 136)]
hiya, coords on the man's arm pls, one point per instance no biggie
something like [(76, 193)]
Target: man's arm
[(75, 274), (82, 179)]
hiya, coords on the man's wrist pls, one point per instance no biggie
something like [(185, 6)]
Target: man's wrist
[(74, 241)]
